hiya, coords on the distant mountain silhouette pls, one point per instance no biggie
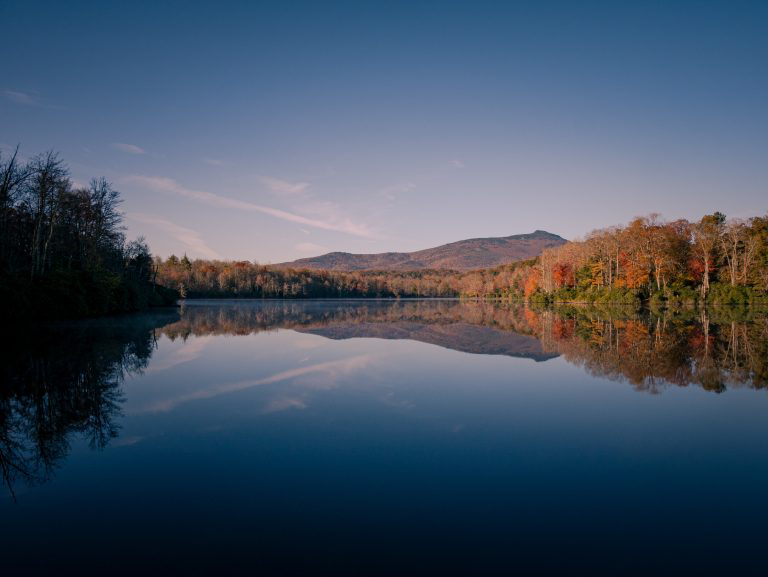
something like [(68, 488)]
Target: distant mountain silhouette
[(467, 254)]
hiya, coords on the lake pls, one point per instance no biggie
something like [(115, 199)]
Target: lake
[(386, 437)]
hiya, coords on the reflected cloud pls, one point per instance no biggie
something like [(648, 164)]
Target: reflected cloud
[(331, 372), (391, 400), (284, 404), (127, 441), (189, 351)]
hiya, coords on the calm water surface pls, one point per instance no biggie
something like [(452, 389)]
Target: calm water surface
[(415, 437)]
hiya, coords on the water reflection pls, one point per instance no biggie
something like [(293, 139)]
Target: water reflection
[(713, 349), (291, 438), (63, 380), (67, 379), (477, 328)]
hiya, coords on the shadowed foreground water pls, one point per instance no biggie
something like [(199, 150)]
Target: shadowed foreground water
[(360, 437)]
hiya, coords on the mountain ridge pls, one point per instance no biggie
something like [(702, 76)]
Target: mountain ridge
[(468, 254)]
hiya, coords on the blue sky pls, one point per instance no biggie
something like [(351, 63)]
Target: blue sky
[(269, 131)]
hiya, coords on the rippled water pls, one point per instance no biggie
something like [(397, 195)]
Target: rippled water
[(364, 437)]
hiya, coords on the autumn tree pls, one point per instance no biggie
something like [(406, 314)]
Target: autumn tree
[(706, 238)]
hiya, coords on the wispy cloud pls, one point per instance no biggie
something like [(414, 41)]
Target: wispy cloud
[(393, 191), (457, 164), (283, 186), (311, 248), (186, 236), (333, 222), (26, 98), (129, 148), (216, 161)]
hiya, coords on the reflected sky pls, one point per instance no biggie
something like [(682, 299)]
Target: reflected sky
[(279, 438)]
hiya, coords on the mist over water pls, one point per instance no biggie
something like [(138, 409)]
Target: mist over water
[(386, 436)]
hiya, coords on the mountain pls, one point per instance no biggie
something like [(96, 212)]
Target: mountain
[(467, 254)]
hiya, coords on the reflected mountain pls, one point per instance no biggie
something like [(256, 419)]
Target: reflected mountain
[(714, 349), (467, 338), (477, 328), (64, 380)]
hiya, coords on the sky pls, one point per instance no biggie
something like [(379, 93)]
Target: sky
[(269, 131)]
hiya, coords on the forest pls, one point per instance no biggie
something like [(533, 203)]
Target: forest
[(715, 260), (62, 248), (243, 279), (647, 262)]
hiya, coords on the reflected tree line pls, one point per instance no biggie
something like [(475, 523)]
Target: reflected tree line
[(712, 348), (62, 383), (244, 318)]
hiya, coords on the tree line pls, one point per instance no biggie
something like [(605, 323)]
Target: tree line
[(650, 260), (62, 247), (713, 260), (243, 279)]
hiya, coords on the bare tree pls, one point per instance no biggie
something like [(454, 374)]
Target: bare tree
[(47, 185), (12, 178)]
